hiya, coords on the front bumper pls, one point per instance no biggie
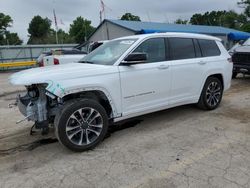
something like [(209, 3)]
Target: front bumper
[(241, 68)]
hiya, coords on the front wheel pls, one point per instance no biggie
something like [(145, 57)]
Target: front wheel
[(81, 125), (211, 95)]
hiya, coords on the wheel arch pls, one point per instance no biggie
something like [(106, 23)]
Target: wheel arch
[(216, 75), (219, 76), (96, 94)]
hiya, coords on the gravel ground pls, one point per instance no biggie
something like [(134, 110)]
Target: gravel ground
[(180, 147), (5, 87)]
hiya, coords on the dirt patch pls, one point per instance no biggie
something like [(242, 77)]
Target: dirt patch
[(241, 114), (28, 147), (11, 93), (46, 141), (239, 85)]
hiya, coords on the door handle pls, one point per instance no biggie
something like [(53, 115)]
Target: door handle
[(202, 62), (162, 67)]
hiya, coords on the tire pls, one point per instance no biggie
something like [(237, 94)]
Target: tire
[(211, 95), (81, 125), (234, 75)]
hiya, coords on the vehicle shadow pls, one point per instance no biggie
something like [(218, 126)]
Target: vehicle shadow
[(168, 115)]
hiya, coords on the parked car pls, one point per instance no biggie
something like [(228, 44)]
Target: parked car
[(39, 60), (241, 58), (122, 79), (69, 56), (61, 59)]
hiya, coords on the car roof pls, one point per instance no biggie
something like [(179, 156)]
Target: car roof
[(172, 34)]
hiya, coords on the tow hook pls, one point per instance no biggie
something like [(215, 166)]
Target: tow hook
[(26, 118)]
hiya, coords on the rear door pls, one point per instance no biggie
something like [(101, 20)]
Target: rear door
[(188, 69)]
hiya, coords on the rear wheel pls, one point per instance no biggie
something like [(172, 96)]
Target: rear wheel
[(211, 95), (81, 125)]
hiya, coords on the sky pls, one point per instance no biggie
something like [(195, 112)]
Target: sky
[(167, 11)]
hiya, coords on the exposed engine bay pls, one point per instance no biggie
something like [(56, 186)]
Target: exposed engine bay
[(38, 105)]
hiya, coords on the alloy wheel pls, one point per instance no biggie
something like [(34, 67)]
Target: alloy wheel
[(213, 94), (84, 126)]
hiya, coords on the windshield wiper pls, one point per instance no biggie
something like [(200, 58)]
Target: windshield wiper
[(88, 62)]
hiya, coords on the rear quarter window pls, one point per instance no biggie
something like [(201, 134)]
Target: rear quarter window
[(209, 48)]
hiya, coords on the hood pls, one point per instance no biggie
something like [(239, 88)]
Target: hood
[(59, 73), (242, 49)]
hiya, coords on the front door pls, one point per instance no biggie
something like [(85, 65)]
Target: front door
[(146, 86)]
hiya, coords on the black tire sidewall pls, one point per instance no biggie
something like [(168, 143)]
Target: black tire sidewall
[(67, 112), (208, 82)]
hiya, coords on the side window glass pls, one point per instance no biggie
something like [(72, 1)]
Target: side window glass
[(209, 48), (154, 48), (182, 48)]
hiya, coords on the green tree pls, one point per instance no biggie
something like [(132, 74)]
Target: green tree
[(130, 17), (6, 37), (245, 27), (39, 29), (197, 19), (229, 19), (209, 18), (5, 22), (180, 21), (12, 39), (246, 5), (63, 37), (233, 20), (80, 29)]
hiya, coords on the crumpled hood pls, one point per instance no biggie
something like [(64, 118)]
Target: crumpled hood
[(59, 73)]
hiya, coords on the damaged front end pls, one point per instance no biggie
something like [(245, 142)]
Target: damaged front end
[(38, 105)]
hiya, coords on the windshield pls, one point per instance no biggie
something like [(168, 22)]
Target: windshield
[(247, 42), (108, 53)]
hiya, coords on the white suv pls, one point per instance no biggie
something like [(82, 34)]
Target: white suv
[(124, 78)]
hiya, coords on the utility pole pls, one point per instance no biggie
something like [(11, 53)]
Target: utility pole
[(102, 10), (54, 12), (100, 16), (104, 7), (85, 30), (149, 18)]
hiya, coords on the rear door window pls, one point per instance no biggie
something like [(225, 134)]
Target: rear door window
[(209, 48), (182, 48)]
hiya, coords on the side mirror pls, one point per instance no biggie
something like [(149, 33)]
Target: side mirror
[(135, 58)]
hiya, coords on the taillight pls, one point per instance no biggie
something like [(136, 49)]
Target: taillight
[(230, 60), (56, 61), (41, 64)]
